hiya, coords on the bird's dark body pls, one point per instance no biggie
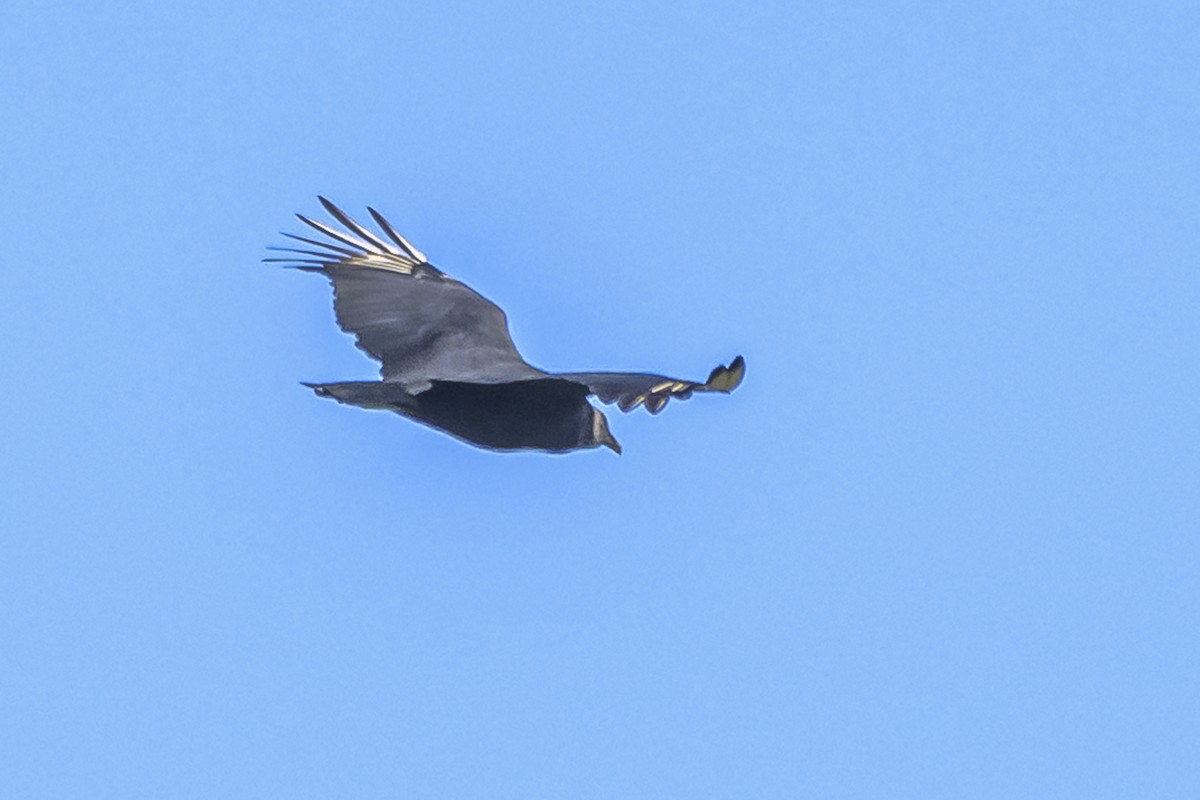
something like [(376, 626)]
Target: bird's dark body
[(541, 414), (447, 359)]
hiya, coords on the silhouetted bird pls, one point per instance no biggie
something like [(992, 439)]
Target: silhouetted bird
[(448, 360)]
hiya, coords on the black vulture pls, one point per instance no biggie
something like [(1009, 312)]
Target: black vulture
[(448, 360)]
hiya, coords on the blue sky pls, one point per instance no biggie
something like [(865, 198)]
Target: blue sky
[(941, 544)]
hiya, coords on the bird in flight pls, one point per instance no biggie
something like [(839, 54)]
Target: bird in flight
[(447, 358)]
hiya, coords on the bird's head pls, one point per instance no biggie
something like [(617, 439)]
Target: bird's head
[(601, 435)]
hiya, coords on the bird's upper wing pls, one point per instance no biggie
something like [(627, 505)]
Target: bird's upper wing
[(631, 389), (421, 324)]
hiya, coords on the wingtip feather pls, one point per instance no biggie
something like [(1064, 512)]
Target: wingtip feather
[(395, 236), (726, 379), (334, 233), (353, 226)]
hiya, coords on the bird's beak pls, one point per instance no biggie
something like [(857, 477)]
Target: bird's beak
[(611, 443)]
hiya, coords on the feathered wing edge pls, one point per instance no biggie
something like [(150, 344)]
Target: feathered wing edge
[(629, 390), (355, 246)]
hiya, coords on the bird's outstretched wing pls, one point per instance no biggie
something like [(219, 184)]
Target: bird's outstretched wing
[(418, 322), (631, 389)]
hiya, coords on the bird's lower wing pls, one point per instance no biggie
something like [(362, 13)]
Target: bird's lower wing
[(631, 389)]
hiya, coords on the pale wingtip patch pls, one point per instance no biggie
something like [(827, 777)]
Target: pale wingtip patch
[(726, 379), (354, 245)]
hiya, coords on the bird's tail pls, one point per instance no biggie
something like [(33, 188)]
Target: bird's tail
[(365, 394)]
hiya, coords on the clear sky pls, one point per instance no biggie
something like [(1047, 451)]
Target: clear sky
[(944, 542)]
